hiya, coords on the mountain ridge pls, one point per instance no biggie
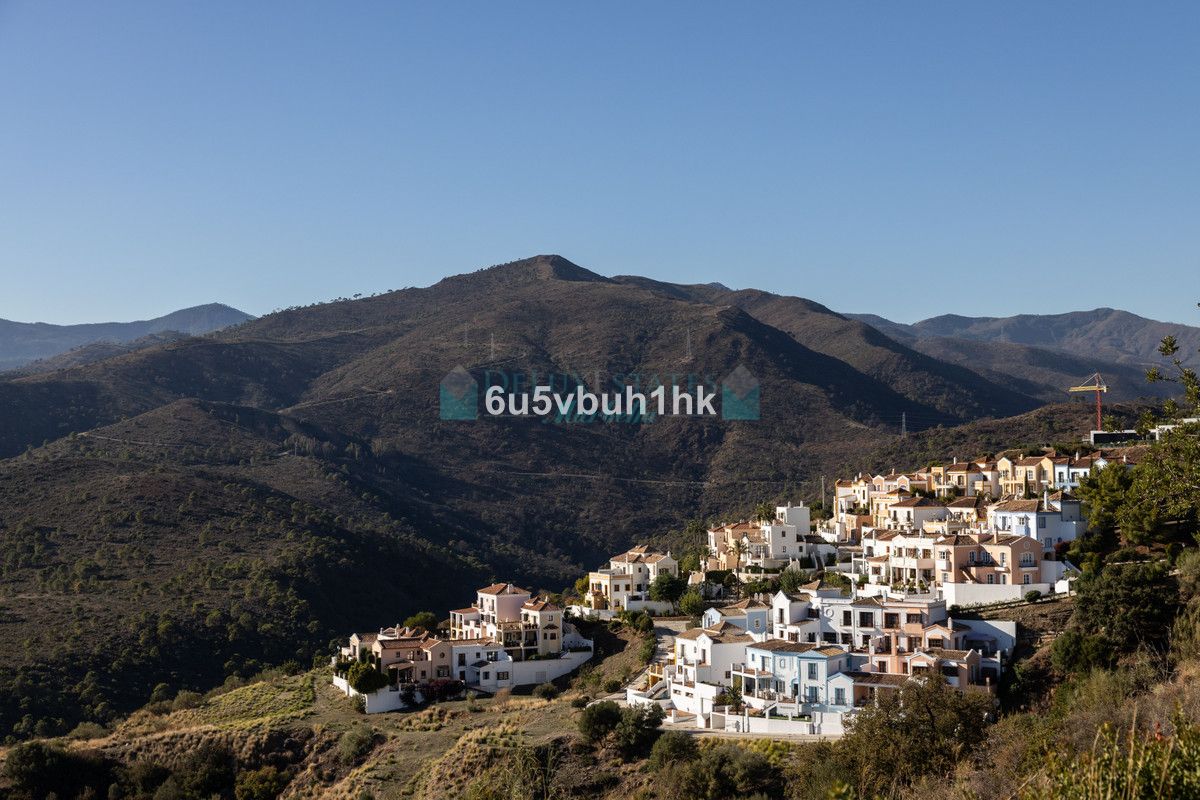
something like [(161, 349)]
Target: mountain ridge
[(24, 342)]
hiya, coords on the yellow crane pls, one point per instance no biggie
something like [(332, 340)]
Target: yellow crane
[(1094, 384)]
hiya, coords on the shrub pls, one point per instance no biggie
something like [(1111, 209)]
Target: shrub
[(355, 743), (546, 691), (260, 784), (647, 650), (726, 771), (581, 701), (691, 604), (667, 587), (637, 729), (1142, 766), (1033, 596), (612, 685), (422, 619), (208, 770), (599, 719), (365, 679), (186, 699), (673, 747), (88, 730), (41, 769)]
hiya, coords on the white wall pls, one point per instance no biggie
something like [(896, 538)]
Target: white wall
[(973, 594)]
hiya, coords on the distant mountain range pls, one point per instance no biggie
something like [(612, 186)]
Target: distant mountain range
[(203, 506), (24, 342), (1040, 355)]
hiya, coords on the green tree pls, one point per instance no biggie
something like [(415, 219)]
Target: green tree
[(365, 678), (1103, 493), (790, 580), (1118, 610), (667, 587), (637, 729), (422, 619), (691, 604), (673, 747), (1164, 488), (726, 771), (764, 512), (923, 728), (599, 719)]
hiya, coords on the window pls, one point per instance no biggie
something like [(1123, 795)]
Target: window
[(839, 697), (443, 672), (991, 578), (1027, 581), (847, 638), (847, 618), (1026, 559), (487, 675), (866, 619), (812, 672), (501, 676)]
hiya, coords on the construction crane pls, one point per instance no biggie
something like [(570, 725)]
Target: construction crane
[(1094, 384)]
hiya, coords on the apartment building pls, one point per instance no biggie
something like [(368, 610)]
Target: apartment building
[(767, 544), (624, 585), (510, 616)]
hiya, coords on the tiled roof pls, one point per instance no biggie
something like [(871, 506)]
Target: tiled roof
[(878, 678), (949, 655), (918, 502), (1017, 505), (503, 588)]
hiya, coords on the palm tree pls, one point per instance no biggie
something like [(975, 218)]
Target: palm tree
[(739, 548), (764, 512)]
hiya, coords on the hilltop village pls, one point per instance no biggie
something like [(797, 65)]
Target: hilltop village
[(785, 625)]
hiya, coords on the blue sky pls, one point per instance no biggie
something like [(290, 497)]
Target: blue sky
[(902, 159)]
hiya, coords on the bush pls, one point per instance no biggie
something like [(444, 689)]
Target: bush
[(647, 650), (206, 771), (1033, 596), (422, 619), (88, 730), (612, 685), (667, 587), (355, 743), (581, 701), (637, 729), (546, 691), (726, 771), (261, 784), (1139, 766), (365, 679), (673, 747), (40, 769), (691, 604), (599, 719)]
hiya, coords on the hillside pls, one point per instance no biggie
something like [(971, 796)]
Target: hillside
[(1043, 354), (205, 506), (23, 342)]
